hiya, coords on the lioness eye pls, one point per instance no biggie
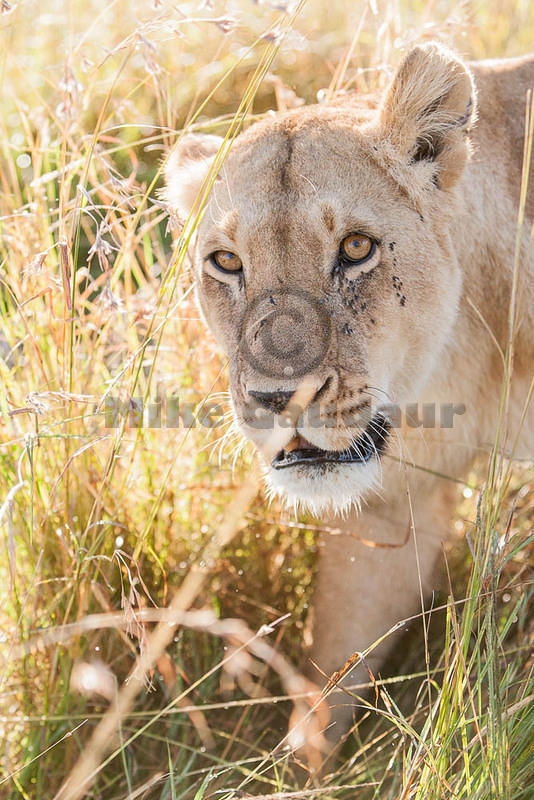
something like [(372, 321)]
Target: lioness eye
[(226, 261), (356, 247)]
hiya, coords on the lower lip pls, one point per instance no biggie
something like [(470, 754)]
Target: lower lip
[(370, 444)]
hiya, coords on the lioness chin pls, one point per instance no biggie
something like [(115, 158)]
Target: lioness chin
[(355, 261)]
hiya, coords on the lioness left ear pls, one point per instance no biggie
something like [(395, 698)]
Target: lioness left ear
[(427, 111), (186, 170)]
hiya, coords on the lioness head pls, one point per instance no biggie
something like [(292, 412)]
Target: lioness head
[(326, 269)]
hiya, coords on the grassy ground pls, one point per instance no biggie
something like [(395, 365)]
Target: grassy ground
[(96, 310)]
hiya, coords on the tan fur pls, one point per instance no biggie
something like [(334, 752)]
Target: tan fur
[(439, 189)]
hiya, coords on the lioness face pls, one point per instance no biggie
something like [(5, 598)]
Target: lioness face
[(332, 289)]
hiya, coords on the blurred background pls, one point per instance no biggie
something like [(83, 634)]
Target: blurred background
[(100, 513)]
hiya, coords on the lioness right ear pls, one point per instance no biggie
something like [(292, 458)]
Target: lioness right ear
[(427, 111), (186, 170)]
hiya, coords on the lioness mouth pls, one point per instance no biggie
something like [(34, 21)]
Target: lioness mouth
[(371, 443)]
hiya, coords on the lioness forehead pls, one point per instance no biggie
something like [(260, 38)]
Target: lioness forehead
[(318, 164)]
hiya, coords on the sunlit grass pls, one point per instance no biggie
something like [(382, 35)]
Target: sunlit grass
[(97, 308)]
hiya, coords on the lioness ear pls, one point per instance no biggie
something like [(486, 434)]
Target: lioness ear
[(186, 170), (428, 108)]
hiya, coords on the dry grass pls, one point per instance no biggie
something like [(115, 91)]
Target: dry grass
[(95, 303)]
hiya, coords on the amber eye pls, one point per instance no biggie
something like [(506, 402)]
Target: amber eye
[(226, 261), (356, 247)]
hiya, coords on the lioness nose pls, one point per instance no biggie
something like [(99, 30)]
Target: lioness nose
[(279, 400), (272, 401)]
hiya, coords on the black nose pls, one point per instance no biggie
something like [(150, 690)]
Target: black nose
[(272, 401)]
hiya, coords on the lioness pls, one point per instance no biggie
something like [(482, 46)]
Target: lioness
[(359, 257)]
